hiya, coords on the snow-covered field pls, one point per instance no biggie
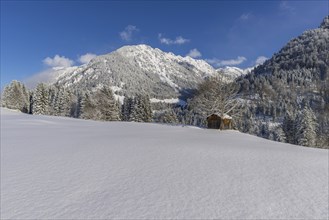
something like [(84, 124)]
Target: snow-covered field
[(63, 168)]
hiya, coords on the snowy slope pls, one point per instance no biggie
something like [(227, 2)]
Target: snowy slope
[(231, 73), (64, 168)]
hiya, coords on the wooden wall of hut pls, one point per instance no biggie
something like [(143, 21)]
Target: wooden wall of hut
[(216, 122)]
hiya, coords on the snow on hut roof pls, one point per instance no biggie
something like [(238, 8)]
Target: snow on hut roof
[(226, 116)]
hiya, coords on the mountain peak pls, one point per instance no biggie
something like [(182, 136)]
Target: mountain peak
[(139, 50), (325, 23), (136, 46)]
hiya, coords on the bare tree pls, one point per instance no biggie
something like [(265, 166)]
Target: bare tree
[(215, 95)]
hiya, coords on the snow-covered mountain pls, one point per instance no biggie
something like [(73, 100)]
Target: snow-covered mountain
[(143, 69), (231, 73), (140, 69), (64, 168)]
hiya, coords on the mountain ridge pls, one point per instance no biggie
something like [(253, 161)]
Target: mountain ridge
[(140, 68)]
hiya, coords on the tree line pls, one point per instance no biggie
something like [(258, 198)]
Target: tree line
[(56, 100), (299, 126)]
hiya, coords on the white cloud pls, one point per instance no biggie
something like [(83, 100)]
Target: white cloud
[(178, 40), (128, 32), (285, 6), (46, 76), (58, 61), (56, 66), (245, 16), (181, 40), (194, 53), (260, 60), (231, 62), (84, 59), (214, 61)]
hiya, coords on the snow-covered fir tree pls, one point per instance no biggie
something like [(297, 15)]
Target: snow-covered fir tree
[(127, 108), (16, 96), (141, 109), (278, 134), (107, 105), (306, 128), (88, 107), (77, 105), (168, 117), (53, 91), (265, 130), (68, 103), (136, 113), (60, 102), (41, 100), (118, 107), (147, 110), (289, 128)]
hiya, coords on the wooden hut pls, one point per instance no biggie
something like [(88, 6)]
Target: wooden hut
[(215, 121)]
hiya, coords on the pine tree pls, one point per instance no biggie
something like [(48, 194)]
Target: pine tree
[(141, 109), (58, 103), (68, 103), (77, 105), (118, 107), (168, 117), (16, 96), (306, 128), (127, 108), (278, 134), (107, 105), (88, 107), (31, 101), (265, 131), (53, 92), (25, 99), (41, 100), (289, 128), (136, 113), (147, 110)]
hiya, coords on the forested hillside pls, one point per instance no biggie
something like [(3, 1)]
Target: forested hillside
[(294, 81)]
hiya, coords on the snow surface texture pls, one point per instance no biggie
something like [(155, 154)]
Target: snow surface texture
[(64, 168)]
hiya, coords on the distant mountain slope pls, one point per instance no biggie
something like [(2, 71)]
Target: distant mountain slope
[(63, 168), (307, 54), (298, 72), (232, 73)]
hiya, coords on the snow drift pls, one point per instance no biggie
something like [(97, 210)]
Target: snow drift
[(64, 168)]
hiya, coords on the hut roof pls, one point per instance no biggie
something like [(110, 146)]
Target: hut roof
[(226, 116)]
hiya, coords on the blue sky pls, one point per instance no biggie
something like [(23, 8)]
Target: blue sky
[(38, 35)]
